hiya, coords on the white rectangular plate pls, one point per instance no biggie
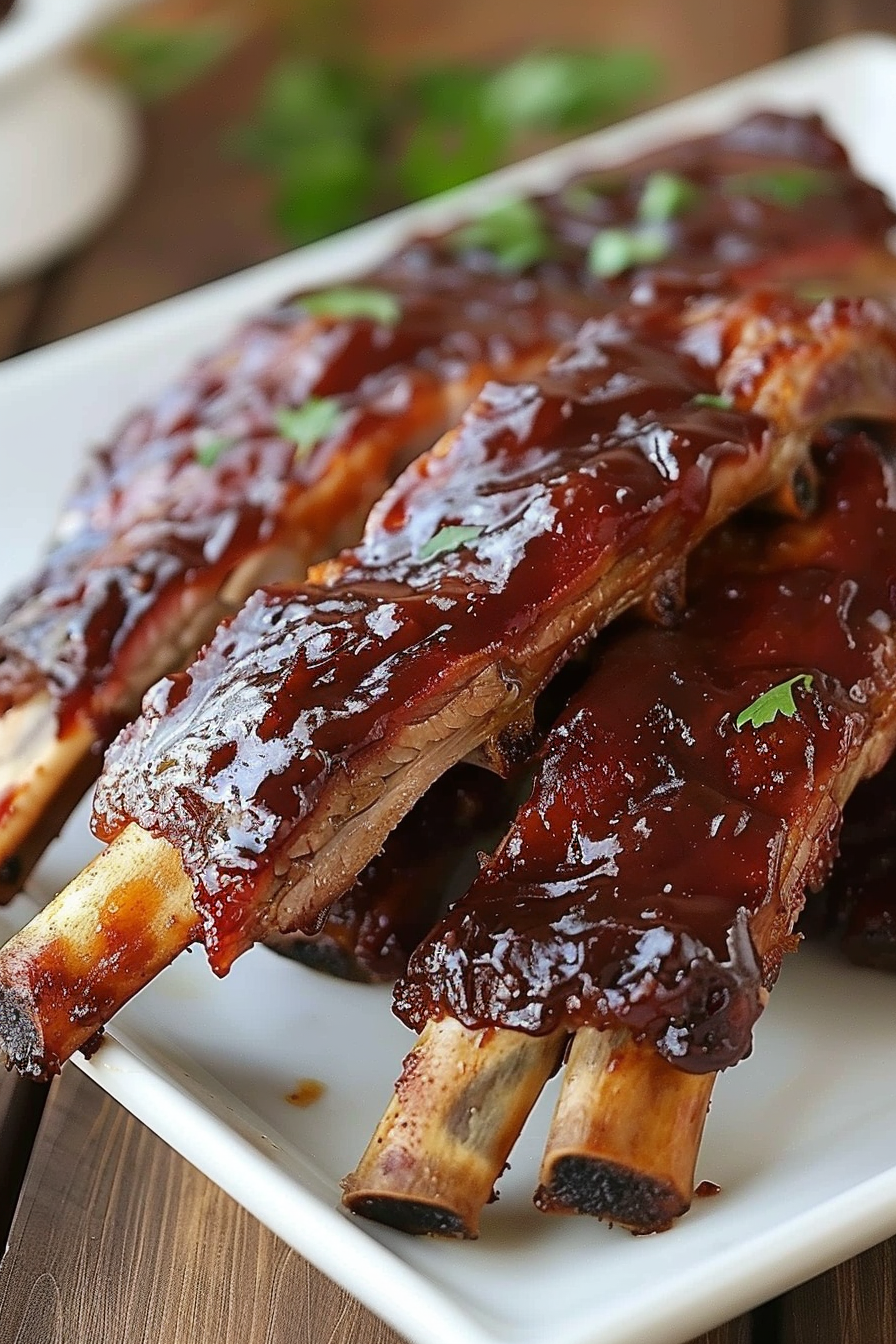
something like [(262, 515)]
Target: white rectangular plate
[(801, 1138)]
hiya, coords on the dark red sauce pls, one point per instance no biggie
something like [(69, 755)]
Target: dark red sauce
[(607, 456), (150, 526), (629, 889)]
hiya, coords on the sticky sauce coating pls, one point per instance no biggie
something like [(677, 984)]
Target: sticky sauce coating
[(466, 567), (206, 478), (652, 878)]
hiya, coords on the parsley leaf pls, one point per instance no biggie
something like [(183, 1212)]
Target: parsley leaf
[(777, 700), (716, 401), (665, 196), (448, 539), (347, 302), (789, 187), (614, 251), (208, 448), (158, 60), (569, 90), (513, 233), (307, 425), (316, 130)]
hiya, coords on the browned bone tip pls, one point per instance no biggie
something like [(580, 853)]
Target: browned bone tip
[(443, 1142), (106, 947), (625, 1136)]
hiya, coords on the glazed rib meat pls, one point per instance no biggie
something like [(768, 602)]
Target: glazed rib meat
[(268, 454), (372, 930), (263, 780), (313, 719), (652, 880), (266, 457), (646, 893)]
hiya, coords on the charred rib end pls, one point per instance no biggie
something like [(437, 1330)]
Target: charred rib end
[(415, 1216), (21, 1038), (613, 1192)]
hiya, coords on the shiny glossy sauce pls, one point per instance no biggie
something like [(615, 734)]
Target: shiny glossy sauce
[(860, 894), (153, 518), (606, 457), (624, 892)]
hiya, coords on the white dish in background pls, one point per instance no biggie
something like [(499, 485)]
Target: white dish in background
[(801, 1137), (68, 141)]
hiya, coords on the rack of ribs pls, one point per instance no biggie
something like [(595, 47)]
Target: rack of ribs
[(269, 453), (636, 914), (255, 786)]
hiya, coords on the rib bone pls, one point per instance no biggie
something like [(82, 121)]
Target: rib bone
[(625, 1136), (443, 1142), (111, 947)]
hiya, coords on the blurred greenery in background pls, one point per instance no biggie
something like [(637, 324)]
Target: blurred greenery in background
[(341, 139)]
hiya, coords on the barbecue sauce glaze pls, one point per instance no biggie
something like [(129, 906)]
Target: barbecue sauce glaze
[(205, 478), (653, 876), (609, 456)]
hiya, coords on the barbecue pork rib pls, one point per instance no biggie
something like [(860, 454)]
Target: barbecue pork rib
[(372, 930), (265, 778), (222, 484), (265, 458), (647, 891)]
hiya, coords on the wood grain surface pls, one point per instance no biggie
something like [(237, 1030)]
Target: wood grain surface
[(853, 1304), (118, 1239)]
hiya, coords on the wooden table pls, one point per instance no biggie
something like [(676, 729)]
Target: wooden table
[(113, 1238)]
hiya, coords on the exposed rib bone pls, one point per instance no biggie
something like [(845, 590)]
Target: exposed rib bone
[(110, 946), (443, 1142), (625, 1136)]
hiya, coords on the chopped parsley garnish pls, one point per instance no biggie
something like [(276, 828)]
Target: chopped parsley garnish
[(307, 425), (614, 251), (716, 401), (513, 233), (789, 187), (448, 539), (209, 449), (778, 700), (666, 196), (347, 302)]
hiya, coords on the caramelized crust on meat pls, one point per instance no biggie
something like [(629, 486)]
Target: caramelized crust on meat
[(321, 712), (653, 878), (205, 478)]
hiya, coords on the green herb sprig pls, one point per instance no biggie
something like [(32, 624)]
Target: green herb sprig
[(777, 700), (208, 449), (347, 302), (614, 251), (787, 187), (449, 539), (309, 424), (666, 196), (340, 139), (513, 233)]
